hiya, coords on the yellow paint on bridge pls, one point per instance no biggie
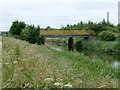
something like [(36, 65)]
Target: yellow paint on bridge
[(65, 32)]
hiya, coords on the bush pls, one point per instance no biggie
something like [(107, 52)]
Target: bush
[(41, 40), (16, 28), (107, 36), (79, 45), (30, 34)]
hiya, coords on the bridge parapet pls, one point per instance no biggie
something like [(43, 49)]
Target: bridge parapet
[(60, 36), (65, 32)]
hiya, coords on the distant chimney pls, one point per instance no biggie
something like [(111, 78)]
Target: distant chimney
[(107, 17), (119, 12)]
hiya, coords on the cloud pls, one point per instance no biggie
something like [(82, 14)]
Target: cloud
[(58, 1), (56, 12)]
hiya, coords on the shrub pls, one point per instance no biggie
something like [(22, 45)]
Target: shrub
[(30, 34), (79, 45), (16, 36), (107, 36), (117, 49), (41, 40), (16, 28)]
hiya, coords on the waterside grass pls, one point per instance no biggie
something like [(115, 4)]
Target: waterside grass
[(30, 65)]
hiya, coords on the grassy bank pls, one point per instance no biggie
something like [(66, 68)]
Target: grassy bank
[(30, 65)]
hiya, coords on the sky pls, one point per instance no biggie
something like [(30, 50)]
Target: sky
[(56, 13)]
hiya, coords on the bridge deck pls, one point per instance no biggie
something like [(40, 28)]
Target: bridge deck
[(54, 36), (65, 32)]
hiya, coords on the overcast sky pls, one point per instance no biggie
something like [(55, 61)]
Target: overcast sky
[(56, 13)]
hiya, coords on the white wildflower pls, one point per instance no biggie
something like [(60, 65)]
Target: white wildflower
[(15, 62), (24, 59), (48, 79), (102, 86), (68, 85), (58, 84), (6, 63)]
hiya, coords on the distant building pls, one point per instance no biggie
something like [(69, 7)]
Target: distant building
[(119, 12)]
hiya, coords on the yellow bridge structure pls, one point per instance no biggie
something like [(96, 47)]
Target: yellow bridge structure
[(66, 33), (86, 34)]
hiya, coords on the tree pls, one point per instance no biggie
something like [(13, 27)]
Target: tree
[(41, 40), (17, 27), (107, 36), (48, 28), (104, 22), (30, 33)]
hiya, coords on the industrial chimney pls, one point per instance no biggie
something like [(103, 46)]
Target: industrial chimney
[(107, 17), (119, 12)]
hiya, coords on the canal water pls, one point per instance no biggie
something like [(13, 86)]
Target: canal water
[(111, 59)]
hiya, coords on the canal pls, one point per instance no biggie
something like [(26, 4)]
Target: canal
[(111, 59)]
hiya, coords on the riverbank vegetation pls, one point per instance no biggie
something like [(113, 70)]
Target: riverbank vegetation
[(28, 65), (110, 47), (26, 32)]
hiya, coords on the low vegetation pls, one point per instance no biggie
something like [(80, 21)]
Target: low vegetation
[(30, 34), (110, 47), (108, 36), (26, 32), (28, 65)]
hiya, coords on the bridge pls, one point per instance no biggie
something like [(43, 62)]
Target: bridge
[(66, 33), (86, 34)]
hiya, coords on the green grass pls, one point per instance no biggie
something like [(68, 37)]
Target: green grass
[(31, 65), (110, 47)]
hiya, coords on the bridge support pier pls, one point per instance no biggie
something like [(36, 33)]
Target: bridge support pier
[(70, 44), (86, 38)]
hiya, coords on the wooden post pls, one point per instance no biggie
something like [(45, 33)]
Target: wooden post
[(70, 44)]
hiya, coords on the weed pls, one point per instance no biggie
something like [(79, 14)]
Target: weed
[(17, 52), (45, 67)]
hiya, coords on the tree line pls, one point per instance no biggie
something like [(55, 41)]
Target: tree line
[(104, 30), (97, 27), (26, 32)]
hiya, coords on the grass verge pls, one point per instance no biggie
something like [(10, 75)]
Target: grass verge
[(29, 65)]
